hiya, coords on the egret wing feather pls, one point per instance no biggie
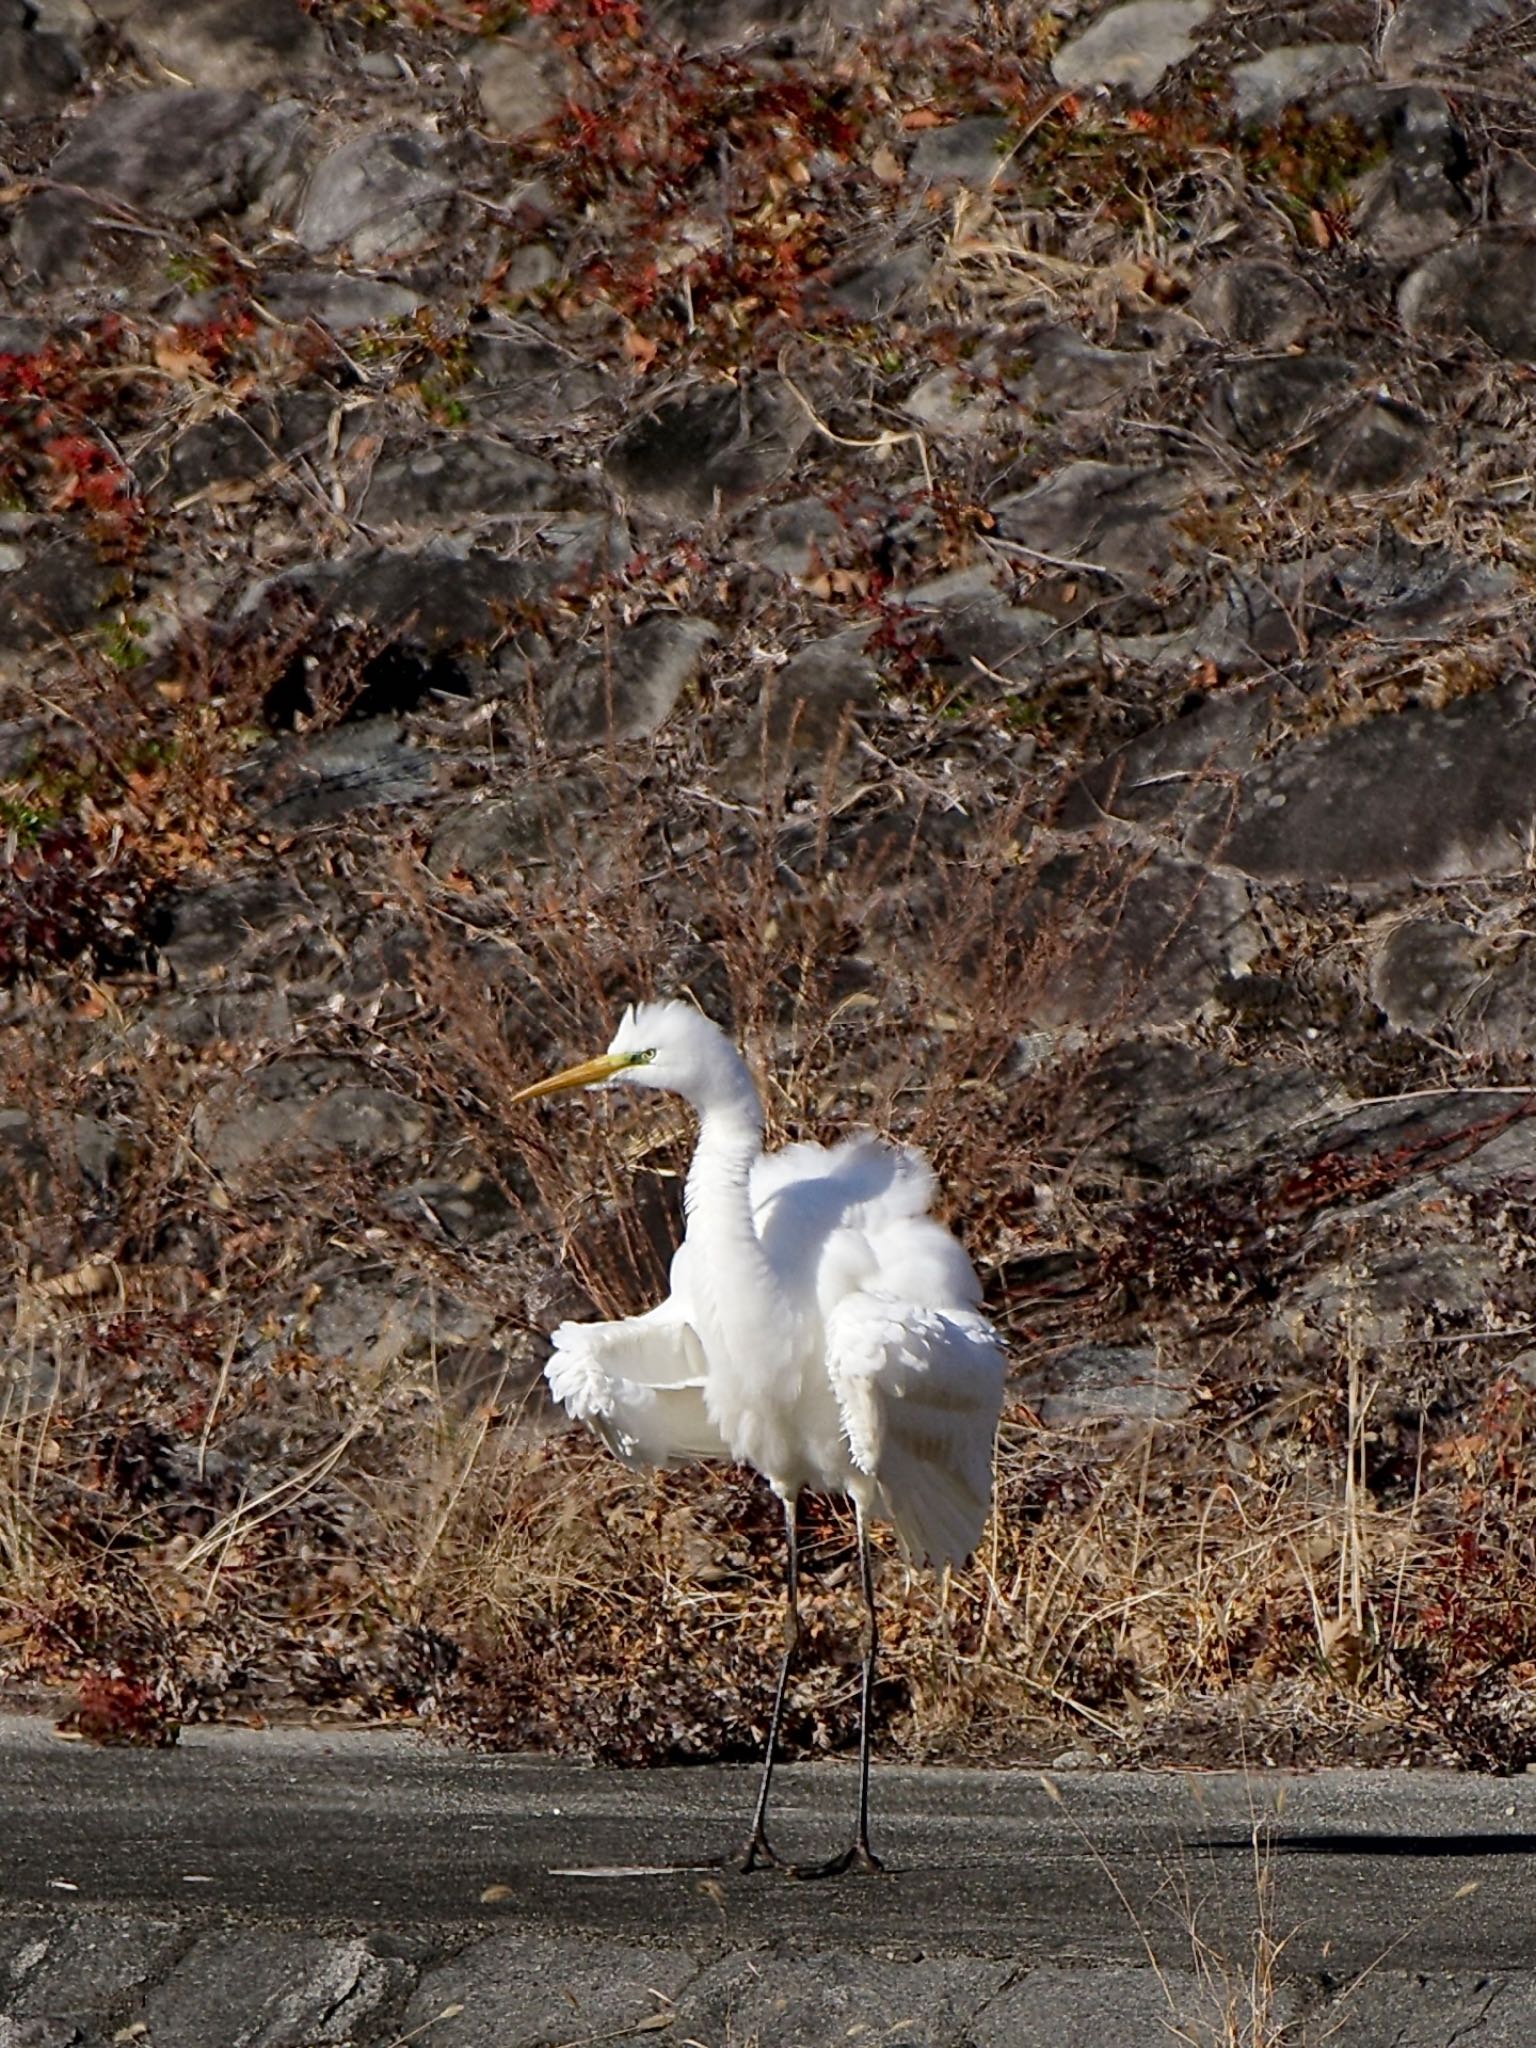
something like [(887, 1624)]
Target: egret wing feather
[(915, 1369), (639, 1383), (920, 1390)]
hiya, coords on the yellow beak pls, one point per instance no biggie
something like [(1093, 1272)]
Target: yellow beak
[(603, 1068)]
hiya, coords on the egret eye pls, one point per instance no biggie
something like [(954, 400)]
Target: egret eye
[(642, 1059)]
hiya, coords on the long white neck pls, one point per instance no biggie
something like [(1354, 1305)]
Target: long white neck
[(749, 1310)]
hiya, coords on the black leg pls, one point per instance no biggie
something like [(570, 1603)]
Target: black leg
[(758, 1849), (859, 1855), (862, 1853)]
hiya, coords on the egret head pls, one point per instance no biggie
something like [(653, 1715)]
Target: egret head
[(663, 1045)]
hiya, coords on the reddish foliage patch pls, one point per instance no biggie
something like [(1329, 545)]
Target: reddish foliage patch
[(116, 1711), (608, 17), (64, 901), (53, 452), (704, 167)]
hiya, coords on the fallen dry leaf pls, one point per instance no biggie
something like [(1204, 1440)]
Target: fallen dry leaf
[(178, 360), (640, 348)]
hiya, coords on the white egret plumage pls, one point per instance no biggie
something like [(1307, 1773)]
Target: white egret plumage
[(823, 1327)]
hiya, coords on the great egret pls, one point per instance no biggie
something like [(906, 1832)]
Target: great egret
[(822, 1327)]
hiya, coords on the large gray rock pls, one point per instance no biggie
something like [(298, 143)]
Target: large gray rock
[(1132, 45), (1476, 989), (1389, 1295), (1127, 2006), (1407, 799), (522, 78), (209, 929), (954, 401), (20, 336), (1422, 796), (981, 644), (74, 18), (806, 716), (878, 284), (1258, 304), (1414, 202), (1377, 445), (451, 482), (82, 1970), (1107, 1383), (227, 453), (1152, 939), (529, 830), (1391, 590), (366, 765), (628, 689), (338, 299), (521, 1987), (182, 153), (266, 1987), (256, 45), (38, 71), (800, 538), (59, 584), (528, 377), (1485, 285), (1100, 515), (966, 152), (1264, 86), (1154, 1107), (472, 1209), (1265, 403), (1397, 590), (442, 602), (380, 196), (1052, 369), (1422, 33), (383, 1315), (44, 1157), (302, 1111), (707, 449), (1419, 2010), (213, 1019), (823, 1997)]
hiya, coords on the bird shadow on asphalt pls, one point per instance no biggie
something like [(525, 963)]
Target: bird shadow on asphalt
[(1344, 1844)]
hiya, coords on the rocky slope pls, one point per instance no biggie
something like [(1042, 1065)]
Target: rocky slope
[(992, 546)]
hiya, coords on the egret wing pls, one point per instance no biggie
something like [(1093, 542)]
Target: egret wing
[(920, 1391), (639, 1384)]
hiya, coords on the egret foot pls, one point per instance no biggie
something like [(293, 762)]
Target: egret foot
[(859, 1857), (759, 1852)]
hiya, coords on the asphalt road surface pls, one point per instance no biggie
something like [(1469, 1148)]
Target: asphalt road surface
[(1340, 1885)]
